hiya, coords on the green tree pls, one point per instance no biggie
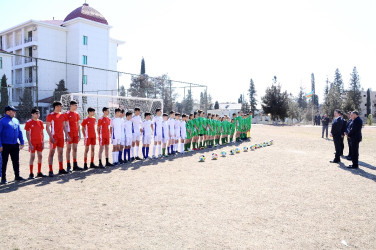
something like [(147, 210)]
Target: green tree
[(338, 82), (26, 104), (245, 108), (216, 105), (59, 91), (141, 86), (188, 103), (143, 70), (4, 94), (302, 99), (354, 94), (333, 101), (241, 99), (252, 96), (275, 101), (294, 111), (122, 91), (368, 102)]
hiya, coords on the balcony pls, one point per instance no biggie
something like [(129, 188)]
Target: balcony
[(28, 60), (28, 39)]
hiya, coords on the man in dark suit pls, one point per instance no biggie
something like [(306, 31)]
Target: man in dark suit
[(336, 133), (355, 134), (344, 129), (347, 132), (325, 125), (318, 119)]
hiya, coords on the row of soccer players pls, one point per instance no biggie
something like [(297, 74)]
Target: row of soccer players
[(124, 131)]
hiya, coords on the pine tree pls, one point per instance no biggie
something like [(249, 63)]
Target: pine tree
[(338, 82), (59, 91), (354, 94), (188, 103), (122, 91), (4, 94), (302, 99), (25, 105), (143, 71), (368, 102), (245, 108), (252, 96), (275, 102), (216, 105)]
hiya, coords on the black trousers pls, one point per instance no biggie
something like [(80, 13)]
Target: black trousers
[(355, 152), (350, 146), (14, 151), (325, 128), (342, 144), (337, 145)]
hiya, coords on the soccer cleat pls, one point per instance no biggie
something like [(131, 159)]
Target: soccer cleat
[(31, 176), (159, 156), (76, 167), (92, 165), (63, 171), (3, 181), (69, 169), (85, 166), (101, 165), (132, 159), (50, 174), (154, 157), (138, 158), (40, 174), (109, 164)]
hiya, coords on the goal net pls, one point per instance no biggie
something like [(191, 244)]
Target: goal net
[(110, 101)]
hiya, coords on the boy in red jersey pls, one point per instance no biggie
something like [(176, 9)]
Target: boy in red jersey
[(56, 129), (34, 133), (88, 129), (72, 119), (104, 136)]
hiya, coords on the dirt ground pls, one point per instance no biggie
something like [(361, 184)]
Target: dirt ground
[(286, 196)]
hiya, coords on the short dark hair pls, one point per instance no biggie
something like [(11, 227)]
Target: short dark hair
[(191, 114), (73, 102), (356, 112), (137, 109), (194, 113), (117, 110), (184, 115), (164, 114), (34, 110), (157, 110), (90, 109), (128, 113), (56, 103), (177, 114), (122, 111), (199, 112), (172, 112), (147, 114), (233, 114), (105, 109), (338, 111)]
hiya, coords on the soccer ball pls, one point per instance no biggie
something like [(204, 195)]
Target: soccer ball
[(237, 150), (223, 153), (214, 156), (271, 142), (245, 149), (232, 151), (252, 147), (264, 145), (259, 146), (202, 158)]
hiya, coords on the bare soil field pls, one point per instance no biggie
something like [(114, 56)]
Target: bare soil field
[(286, 196)]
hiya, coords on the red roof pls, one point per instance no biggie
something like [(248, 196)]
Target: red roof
[(88, 13)]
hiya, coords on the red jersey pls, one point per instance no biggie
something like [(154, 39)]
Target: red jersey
[(57, 124), (103, 125), (35, 129), (73, 118), (89, 124)]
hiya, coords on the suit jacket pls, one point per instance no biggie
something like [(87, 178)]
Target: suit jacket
[(337, 127), (349, 122), (355, 131), (344, 127)]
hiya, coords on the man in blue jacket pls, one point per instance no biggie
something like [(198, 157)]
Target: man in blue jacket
[(336, 133), (11, 141), (355, 134)]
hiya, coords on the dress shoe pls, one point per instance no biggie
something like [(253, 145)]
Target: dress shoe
[(19, 178), (3, 181)]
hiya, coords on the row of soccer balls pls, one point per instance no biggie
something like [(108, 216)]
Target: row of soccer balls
[(202, 158)]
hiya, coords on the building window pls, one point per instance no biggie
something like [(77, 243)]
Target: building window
[(1, 62), (84, 79), (85, 40), (84, 60)]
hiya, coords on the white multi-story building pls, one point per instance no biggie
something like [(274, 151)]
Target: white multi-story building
[(6, 68), (82, 38), (363, 104)]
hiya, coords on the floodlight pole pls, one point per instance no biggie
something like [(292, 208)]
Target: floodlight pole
[(82, 88), (36, 81), (118, 75)]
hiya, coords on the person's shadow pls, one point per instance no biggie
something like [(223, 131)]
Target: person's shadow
[(359, 171)]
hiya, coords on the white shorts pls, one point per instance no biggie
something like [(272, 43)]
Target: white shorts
[(177, 137), (136, 136), (128, 141), (158, 138), (146, 139), (183, 136), (116, 141), (165, 140), (177, 134)]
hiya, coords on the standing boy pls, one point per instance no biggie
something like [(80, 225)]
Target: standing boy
[(128, 131), (157, 127), (88, 129), (137, 123), (146, 135), (165, 135), (177, 132), (104, 136), (117, 135), (171, 128), (72, 119), (56, 128), (122, 141), (183, 133), (34, 133)]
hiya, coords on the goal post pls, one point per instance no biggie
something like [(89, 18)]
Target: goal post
[(110, 101)]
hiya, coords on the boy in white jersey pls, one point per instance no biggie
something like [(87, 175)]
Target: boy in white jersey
[(183, 132), (146, 135), (120, 158), (137, 123), (128, 138), (157, 128), (177, 132), (171, 127), (165, 135), (116, 135)]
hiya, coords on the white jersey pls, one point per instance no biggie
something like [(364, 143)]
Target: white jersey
[(137, 123), (166, 131), (171, 126), (117, 128), (146, 128), (128, 128), (183, 129), (157, 123), (177, 128)]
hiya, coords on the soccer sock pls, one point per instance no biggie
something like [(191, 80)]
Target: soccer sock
[(163, 151), (60, 165), (132, 152), (147, 152), (181, 147), (159, 149), (31, 168), (74, 160), (143, 152), (136, 151), (176, 147), (114, 157), (120, 155), (154, 148), (107, 160), (39, 167), (92, 160), (85, 159), (129, 154), (50, 167), (68, 161), (168, 149), (172, 148)]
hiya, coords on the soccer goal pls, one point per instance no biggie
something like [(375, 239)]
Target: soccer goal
[(99, 101)]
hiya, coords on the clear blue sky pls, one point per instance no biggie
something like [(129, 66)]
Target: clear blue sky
[(225, 43)]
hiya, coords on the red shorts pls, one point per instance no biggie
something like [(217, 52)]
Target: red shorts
[(74, 138), (59, 142), (36, 147), (104, 141), (90, 141)]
